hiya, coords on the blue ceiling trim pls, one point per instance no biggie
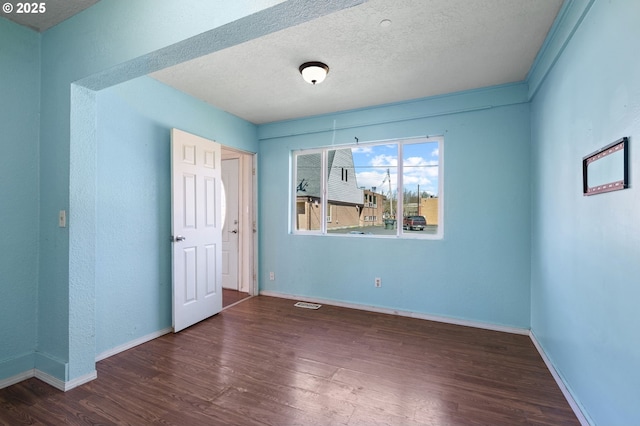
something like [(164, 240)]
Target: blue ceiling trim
[(567, 22)]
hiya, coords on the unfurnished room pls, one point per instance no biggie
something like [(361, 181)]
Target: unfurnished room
[(340, 212)]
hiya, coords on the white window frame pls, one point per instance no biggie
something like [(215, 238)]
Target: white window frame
[(400, 233)]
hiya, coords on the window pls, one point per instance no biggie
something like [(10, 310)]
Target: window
[(385, 189), (309, 204)]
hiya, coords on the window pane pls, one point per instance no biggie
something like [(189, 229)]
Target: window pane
[(420, 168), (308, 211), (358, 189), (361, 189), (344, 198)]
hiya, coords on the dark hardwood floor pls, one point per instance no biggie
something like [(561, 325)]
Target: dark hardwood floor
[(266, 362), (229, 297)]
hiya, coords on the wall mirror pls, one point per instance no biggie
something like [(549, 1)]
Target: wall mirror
[(606, 169)]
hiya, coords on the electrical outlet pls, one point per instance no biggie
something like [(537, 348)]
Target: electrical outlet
[(377, 282), (62, 219), (272, 276)]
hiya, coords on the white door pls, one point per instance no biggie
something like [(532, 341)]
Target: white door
[(196, 228), (231, 227)]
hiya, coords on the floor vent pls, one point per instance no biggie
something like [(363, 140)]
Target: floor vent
[(307, 305)]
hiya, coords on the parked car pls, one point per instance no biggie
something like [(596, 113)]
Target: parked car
[(414, 223)]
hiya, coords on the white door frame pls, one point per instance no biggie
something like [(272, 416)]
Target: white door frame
[(232, 230), (247, 244)]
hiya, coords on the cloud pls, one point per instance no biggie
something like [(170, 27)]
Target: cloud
[(420, 168), (384, 160), (362, 149), (372, 178)]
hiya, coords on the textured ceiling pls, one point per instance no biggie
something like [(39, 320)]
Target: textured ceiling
[(55, 12), (432, 47)]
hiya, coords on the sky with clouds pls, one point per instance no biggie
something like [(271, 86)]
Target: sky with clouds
[(420, 164)]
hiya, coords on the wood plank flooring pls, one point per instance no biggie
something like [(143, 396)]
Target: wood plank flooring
[(229, 297), (266, 362)]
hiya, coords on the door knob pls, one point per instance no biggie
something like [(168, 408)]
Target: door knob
[(179, 238), (235, 231)]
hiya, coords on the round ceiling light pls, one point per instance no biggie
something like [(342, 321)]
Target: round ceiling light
[(314, 72)]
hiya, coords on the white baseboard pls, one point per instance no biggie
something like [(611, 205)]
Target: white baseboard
[(9, 381), (133, 343), (62, 385), (409, 314), (48, 379), (65, 386), (582, 418)]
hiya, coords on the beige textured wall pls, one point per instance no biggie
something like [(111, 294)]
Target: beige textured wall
[(343, 216), (429, 209)]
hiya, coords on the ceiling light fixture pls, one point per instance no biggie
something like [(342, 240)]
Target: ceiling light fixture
[(314, 72)]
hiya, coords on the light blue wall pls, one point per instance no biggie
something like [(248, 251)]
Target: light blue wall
[(133, 251), (585, 250), (19, 124), (480, 271), (110, 43)]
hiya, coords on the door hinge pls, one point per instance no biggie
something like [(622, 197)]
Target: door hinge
[(253, 171)]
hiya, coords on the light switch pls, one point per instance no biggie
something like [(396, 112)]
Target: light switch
[(62, 219)]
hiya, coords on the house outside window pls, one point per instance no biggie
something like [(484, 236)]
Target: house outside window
[(380, 189)]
